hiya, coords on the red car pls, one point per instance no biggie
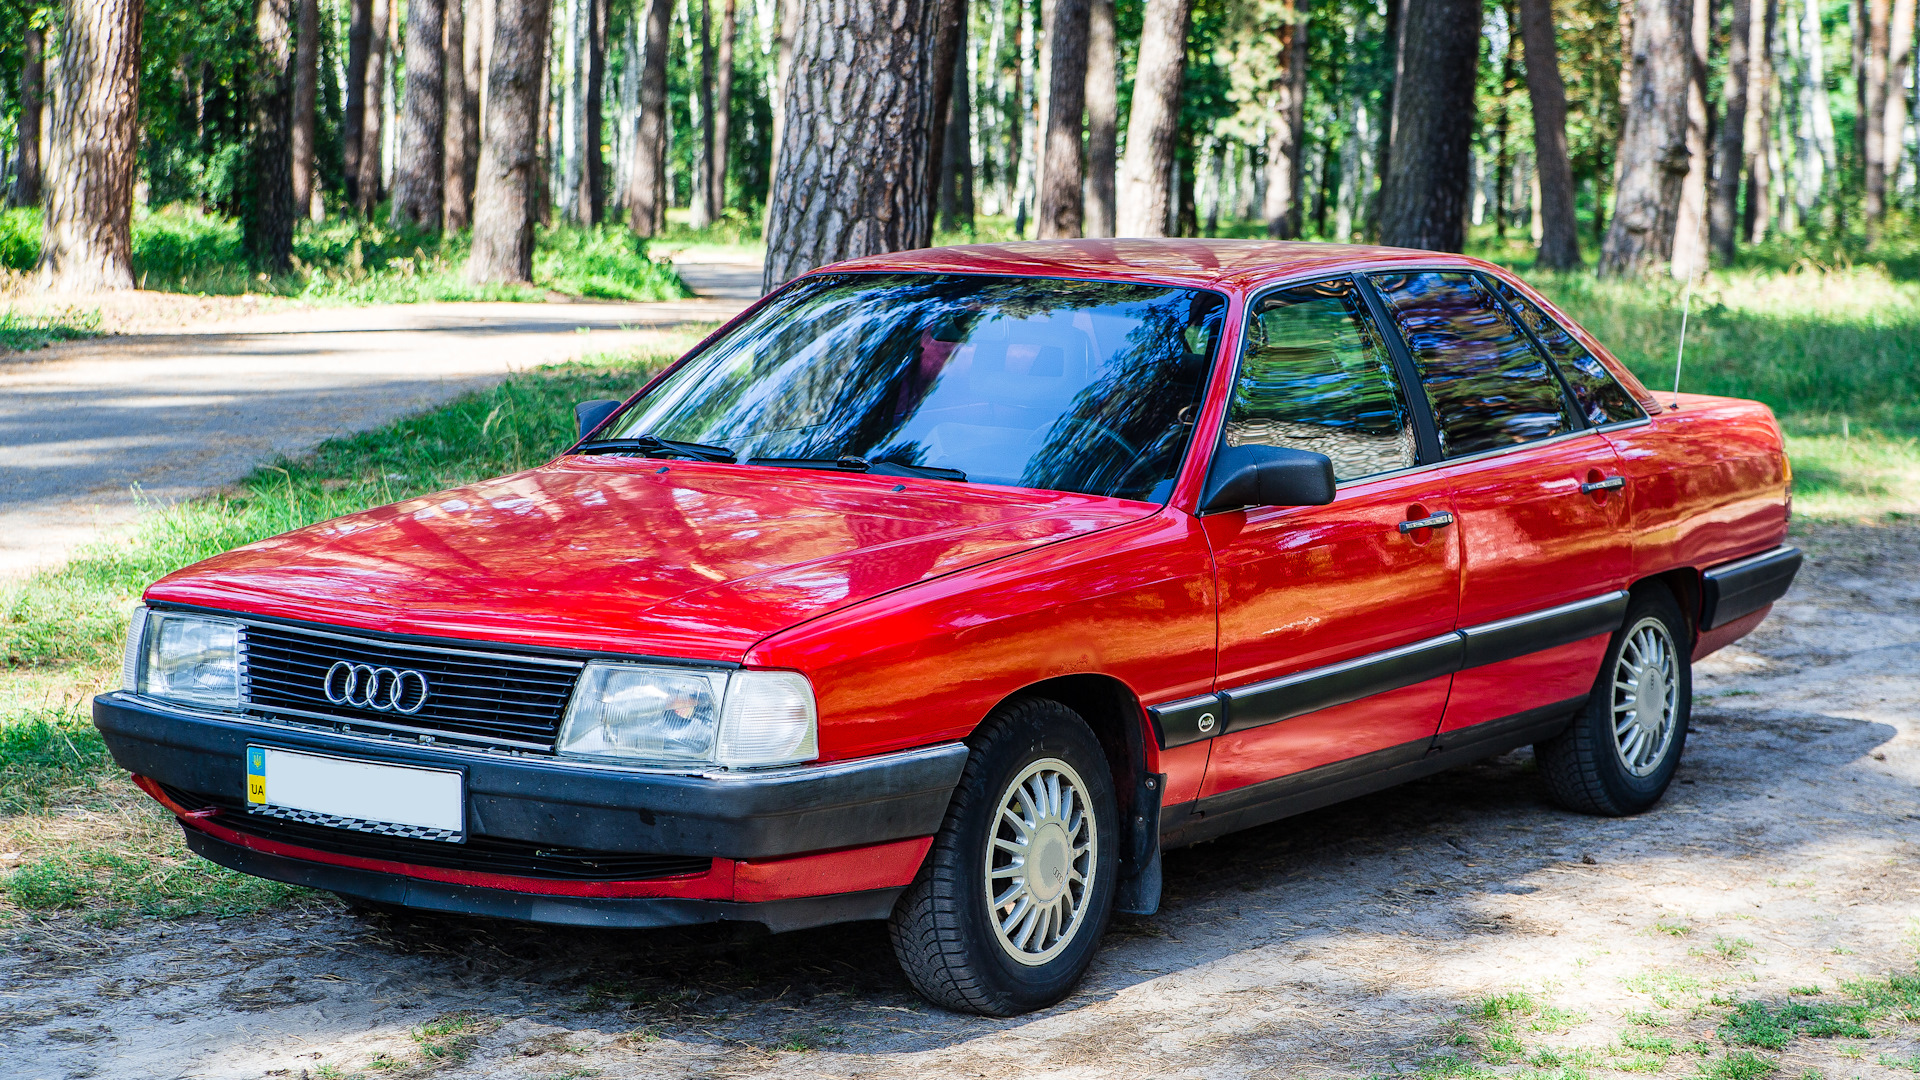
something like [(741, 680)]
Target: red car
[(952, 587)]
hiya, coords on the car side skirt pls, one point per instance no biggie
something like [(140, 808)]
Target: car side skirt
[(1271, 800)]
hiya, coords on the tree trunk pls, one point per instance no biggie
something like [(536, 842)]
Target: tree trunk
[(947, 54), (268, 223), (786, 19), (722, 106), (956, 160), (1722, 224), (647, 164), (462, 134), (858, 164), (700, 209), (1653, 140), (1062, 212), (1281, 207), (504, 202), (1755, 143), (1893, 120), (367, 190), (1428, 187), (1689, 256), (1559, 228), (1103, 118), (86, 242), (1153, 126), (359, 49), (1873, 116), (420, 166), (306, 91), (33, 68)]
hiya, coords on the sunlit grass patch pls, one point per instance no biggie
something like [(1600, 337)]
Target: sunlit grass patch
[(24, 333), (1772, 1027)]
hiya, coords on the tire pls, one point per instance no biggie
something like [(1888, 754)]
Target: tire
[(1615, 759), (943, 927)]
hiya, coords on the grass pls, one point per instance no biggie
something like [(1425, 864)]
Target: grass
[(79, 837), (25, 333)]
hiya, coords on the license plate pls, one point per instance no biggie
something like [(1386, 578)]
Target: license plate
[(366, 796)]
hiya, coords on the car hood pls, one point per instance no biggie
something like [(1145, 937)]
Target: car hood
[(629, 555)]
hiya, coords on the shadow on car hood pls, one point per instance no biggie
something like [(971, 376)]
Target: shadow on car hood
[(677, 559)]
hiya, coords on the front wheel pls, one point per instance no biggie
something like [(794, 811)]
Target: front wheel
[(1622, 750), (1015, 894)]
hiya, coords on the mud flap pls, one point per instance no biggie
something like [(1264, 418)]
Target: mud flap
[(1138, 892)]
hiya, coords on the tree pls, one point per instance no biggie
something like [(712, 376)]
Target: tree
[(1731, 155), (1424, 200), (1559, 228), (956, 160), (1286, 120), (722, 109), (1062, 211), (1653, 143), (1689, 254), (359, 47), (703, 212), (646, 180), (26, 178), (592, 196), (463, 117), (373, 103), (859, 163), (86, 241), (306, 88), (419, 167), (505, 199), (1760, 93), (1153, 126), (268, 223), (1103, 118)]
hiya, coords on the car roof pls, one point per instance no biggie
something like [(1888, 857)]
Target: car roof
[(1233, 265)]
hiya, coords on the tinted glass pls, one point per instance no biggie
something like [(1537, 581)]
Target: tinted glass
[(1489, 386), (1316, 376), (1079, 386), (1600, 396)]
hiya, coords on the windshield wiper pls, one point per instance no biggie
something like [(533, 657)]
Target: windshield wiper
[(654, 446), (856, 463)]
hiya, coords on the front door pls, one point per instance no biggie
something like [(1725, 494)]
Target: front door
[(1336, 621)]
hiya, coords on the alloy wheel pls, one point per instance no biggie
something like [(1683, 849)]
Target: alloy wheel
[(1041, 861), (1646, 697)]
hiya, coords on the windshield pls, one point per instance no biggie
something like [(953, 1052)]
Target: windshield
[(1083, 386)]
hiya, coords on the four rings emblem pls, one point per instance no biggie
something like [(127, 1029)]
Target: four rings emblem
[(382, 689)]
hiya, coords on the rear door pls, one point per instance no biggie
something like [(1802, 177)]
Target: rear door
[(1538, 495), (1335, 621)]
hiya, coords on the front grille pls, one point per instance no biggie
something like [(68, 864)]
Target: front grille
[(480, 854), (492, 698)]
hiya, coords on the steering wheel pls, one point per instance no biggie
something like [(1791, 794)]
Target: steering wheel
[(1129, 452)]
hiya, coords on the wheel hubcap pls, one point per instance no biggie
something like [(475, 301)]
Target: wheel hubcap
[(1040, 863), (1646, 697)]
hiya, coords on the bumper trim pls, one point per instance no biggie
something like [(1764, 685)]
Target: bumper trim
[(777, 916)]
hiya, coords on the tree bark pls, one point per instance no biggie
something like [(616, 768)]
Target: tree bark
[(1062, 213), (306, 90), (647, 164), (1893, 120), (368, 187), (1428, 187), (420, 166), (1103, 118), (1690, 224), (858, 163), (1559, 228), (268, 223), (701, 211), (33, 68), (462, 127), (1722, 223), (86, 242), (590, 199), (786, 19), (1873, 116), (722, 106), (359, 49), (956, 159), (1287, 93), (1153, 126), (1653, 140), (1759, 126), (505, 200)]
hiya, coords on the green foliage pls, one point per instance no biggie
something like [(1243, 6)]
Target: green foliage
[(1740, 1065), (1772, 1027), (20, 238), (114, 884), (48, 754), (24, 333)]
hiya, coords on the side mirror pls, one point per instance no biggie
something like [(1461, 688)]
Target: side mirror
[(1267, 476), (591, 414)]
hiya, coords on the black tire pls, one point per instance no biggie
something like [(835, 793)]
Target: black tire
[(942, 927), (1587, 767)]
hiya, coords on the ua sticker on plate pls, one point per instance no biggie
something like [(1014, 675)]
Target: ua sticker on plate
[(257, 775)]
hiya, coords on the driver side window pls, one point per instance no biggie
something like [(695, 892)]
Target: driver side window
[(1315, 375)]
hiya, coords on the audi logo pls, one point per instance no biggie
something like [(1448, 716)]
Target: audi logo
[(364, 686)]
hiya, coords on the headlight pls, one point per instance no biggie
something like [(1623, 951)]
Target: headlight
[(189, 659), (674, 716)]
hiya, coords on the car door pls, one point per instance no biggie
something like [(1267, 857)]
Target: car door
[(1537, 493), (1335, 621)]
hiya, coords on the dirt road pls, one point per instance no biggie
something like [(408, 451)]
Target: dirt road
[(1361, 939), (89, 429)]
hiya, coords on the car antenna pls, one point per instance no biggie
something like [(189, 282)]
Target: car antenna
[(1680, 357)]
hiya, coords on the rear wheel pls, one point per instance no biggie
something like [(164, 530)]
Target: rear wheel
[(1621, 752), (1015, 894)]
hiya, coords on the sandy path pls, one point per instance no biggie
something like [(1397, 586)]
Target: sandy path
[(173, 414), (1344, 942)]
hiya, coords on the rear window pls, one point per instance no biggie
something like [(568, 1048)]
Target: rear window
[(1600, 396)]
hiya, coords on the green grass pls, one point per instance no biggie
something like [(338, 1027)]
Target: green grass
[(25, 333), (1772, 1027)]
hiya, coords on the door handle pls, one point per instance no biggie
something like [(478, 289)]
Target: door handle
[(1611, 483), (1437, 521)]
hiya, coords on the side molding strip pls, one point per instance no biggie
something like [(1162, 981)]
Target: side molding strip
[(1336, 684), (1537, 631), (1746, 585), (1178, 723)]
